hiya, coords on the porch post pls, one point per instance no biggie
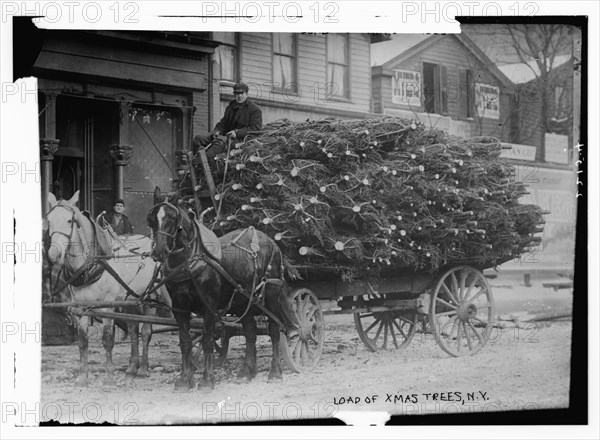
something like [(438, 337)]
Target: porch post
[(121, 155), (47, 149)]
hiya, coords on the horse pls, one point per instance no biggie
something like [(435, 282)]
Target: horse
[(191, 255), (76, 244)]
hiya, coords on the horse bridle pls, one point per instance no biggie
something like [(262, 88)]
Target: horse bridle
[(73, 222), (179, 227)]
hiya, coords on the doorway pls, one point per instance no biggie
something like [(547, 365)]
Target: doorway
[(431, 87), (86, 128)]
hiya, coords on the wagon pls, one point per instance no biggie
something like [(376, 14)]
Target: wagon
[(455, 305)]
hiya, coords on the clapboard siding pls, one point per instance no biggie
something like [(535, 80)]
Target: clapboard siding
[(448, 51), (257, 72)]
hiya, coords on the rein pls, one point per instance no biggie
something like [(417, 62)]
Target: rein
[(211, 261)]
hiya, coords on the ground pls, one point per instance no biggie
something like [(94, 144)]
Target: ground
[(519, 368)]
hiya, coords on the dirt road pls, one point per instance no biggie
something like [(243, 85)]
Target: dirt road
[(526, 368)]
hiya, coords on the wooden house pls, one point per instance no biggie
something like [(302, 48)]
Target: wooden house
[(445, 81), (297, 76)]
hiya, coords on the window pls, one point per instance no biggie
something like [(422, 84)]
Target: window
[(435, 88), (337, 83), (487, 101), (284, 62), (469, 93), (406, 88), (227, 55)]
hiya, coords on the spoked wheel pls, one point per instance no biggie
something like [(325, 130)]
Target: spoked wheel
[(301, 348), (461, 311), (221, 348), (380, 328)]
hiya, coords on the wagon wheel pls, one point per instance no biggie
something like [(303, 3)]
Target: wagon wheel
[(301, 348), (461, 311), (379, 328), (221, 347)]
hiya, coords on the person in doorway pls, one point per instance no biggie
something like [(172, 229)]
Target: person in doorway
[(118, 221), (241, 116)]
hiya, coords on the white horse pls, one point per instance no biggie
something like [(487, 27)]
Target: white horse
[(74, 241)]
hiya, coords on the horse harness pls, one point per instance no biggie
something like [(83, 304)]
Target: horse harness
[(94, 265), (256, 295)]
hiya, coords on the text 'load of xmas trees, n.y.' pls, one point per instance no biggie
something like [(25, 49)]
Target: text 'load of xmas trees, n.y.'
[(370, 197)]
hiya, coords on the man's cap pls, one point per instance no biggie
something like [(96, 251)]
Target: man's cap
[(240, 87), (119, 201)]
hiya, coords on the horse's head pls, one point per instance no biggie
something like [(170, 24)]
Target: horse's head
[(61, 224), (165, 219)]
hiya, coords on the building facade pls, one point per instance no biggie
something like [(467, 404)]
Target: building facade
[(297, 76), (445, 81), (114, 109), (543, 144)]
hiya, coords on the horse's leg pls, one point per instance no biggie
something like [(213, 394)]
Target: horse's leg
[(208, 347), (275, 374), (134, 358), (146, 336), (248, 371), (108, 341), (273, 299), (82, 331), (186, 378), (224, 347)]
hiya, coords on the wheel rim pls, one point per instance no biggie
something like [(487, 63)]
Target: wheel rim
[(462, 311), (382, 330), (301, 348)]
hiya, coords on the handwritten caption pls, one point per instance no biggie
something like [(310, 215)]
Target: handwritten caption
[(458, 397)]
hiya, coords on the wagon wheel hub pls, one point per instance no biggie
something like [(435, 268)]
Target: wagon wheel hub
[(306, 330), (467, 311)]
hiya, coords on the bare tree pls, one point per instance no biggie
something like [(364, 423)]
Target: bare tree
[(541, 48)]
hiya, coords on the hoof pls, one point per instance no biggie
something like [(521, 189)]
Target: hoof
[(82, 381), (183, 386), (206, 386), (243, 379), (143, 372), (245, 375), (131, 371), (109, 381), (275, 379)]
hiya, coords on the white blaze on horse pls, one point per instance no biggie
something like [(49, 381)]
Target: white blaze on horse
[(77, 244)]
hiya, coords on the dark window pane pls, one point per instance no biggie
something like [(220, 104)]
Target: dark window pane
[(283, 72), (225, 56), (337, 48), (336, 81), (225, 37), (283, 43)]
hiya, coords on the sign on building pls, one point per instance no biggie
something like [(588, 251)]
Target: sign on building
[(518, 151)]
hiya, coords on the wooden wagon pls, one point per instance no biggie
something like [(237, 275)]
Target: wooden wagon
[(454, 304)]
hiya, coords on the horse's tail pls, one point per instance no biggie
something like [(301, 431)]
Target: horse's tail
[(289, 268), (285, 310)]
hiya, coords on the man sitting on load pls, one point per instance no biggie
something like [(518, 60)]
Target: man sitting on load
[(241, 116)]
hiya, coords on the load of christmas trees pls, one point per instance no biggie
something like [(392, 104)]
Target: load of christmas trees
[(365, 198)]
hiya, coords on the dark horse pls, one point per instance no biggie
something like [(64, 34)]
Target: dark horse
[(248, 256)]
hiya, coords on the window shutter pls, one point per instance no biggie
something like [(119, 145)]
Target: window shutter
[(463, 94), (444, 89)]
